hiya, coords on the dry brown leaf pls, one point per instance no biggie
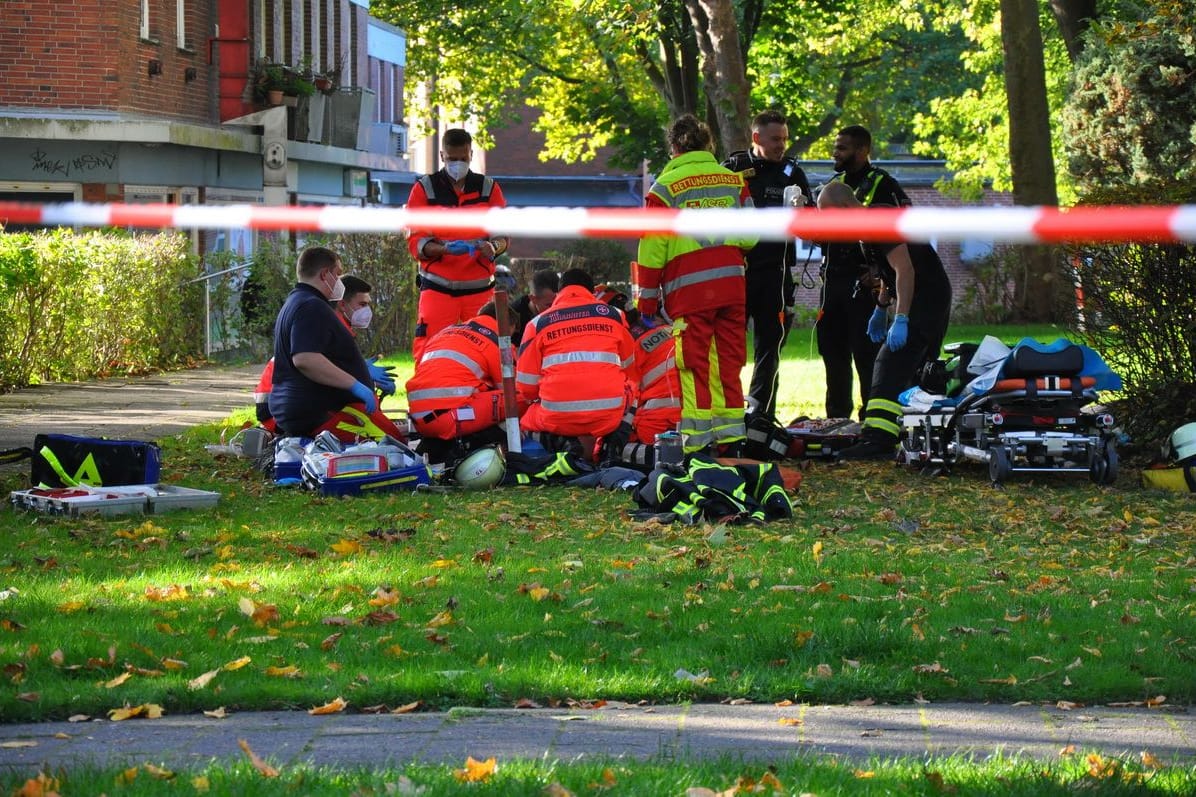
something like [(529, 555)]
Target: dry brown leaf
[(174, 664), (78, 718), (476, 771), (150, 711), (236, 664), (217, 713), (790, 721), (408, 708), (261, 766), (867, 701), (17, 743), (118, 680), (158, 772), (783, 703), (200, 681), (289, 671), (334, 707)]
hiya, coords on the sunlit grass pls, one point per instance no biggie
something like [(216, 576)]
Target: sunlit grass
[(1080, 772)]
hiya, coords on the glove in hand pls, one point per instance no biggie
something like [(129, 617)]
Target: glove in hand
[(365, 396), (383, 376), (613, 443), (876, 325), (898, 333), (458, 247)]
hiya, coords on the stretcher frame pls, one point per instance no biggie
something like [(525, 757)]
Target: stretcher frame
[(1039, 429)]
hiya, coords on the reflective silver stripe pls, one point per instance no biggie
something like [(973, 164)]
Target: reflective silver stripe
[(607, 357), (527, 379), (646, 293), (630, 361), (258, 398), (585, 405), (455, 356), (456, 285), (706, 275), (660, 403), (440, 393), (658, 372)]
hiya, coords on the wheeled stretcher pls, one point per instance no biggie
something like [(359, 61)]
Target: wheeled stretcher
[(1029, 423)]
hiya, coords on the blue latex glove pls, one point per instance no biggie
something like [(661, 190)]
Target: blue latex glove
[(458, 247), (898, 333), (365, 396), (383, 376), (876, 325)]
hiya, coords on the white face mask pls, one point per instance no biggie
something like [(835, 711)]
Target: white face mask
[(456, 170), (361, 317), (338, 291)]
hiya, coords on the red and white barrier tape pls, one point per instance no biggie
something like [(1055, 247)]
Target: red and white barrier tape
[(1108, 224)]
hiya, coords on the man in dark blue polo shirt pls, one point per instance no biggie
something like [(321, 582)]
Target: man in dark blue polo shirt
[(321, 381)]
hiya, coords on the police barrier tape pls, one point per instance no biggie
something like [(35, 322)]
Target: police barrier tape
[(1105, 224)]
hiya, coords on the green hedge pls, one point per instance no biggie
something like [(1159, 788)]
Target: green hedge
[(88, 305)]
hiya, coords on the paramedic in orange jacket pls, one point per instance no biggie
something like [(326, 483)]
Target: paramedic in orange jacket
[(456, 277), (456, 389), (700, 287), (576, 372), (658, 399)]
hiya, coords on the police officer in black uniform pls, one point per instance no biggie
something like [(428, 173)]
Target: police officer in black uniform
[(847, 290), (770, 289)]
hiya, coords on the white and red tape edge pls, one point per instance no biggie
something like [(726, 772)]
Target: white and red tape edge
[(1025, 225)]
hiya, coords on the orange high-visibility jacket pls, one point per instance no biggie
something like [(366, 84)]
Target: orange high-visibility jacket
[(687, 275), (579, 363), (458, 361), (453, 274), (655, 355)]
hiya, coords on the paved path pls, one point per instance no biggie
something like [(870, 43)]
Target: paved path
[(135, 408), (758, 732)]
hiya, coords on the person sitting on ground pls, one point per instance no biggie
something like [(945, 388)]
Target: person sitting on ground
[(455, 393), (545, 284), (321, 381), (917, 286), (658, 398), (355, 312), (576, 372)]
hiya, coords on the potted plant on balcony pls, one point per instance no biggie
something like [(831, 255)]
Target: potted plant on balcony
[(269, 83)]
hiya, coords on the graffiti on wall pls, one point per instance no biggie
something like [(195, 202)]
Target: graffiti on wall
[(87, 162)]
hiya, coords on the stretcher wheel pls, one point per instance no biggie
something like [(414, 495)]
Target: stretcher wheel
[(1103, 466), (1000, 467)]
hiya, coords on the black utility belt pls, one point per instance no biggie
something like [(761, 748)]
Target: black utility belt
[(454, 292)]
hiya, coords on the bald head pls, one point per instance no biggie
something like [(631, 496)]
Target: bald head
[(837, 195)]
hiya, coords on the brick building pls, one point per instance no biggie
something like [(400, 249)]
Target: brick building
[(153, 100)]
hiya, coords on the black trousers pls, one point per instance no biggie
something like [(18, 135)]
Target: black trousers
[(895, 371), (843, 342), (766, 312)]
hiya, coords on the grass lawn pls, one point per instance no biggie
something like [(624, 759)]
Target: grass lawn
[(886, 585), (1089, 774)]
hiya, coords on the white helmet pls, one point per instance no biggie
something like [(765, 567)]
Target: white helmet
[(1183, 442), (481, 470)]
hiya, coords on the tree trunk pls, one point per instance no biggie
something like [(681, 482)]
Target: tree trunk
[(1031, 161), (1073, 17), (723, 71)]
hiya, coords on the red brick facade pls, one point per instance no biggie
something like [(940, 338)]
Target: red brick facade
[(89, 54)]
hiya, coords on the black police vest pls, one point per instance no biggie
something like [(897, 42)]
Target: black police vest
[(439, 189)]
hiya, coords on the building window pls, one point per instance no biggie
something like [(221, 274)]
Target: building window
[(145, 28), (180, 24)]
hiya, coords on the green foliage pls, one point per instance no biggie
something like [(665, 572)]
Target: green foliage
[(971, 129), (606, 259), (989, 297), (94, 304), (875, 66), (385, 262), (1131, 119), (1140, 312), (271, 276)]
